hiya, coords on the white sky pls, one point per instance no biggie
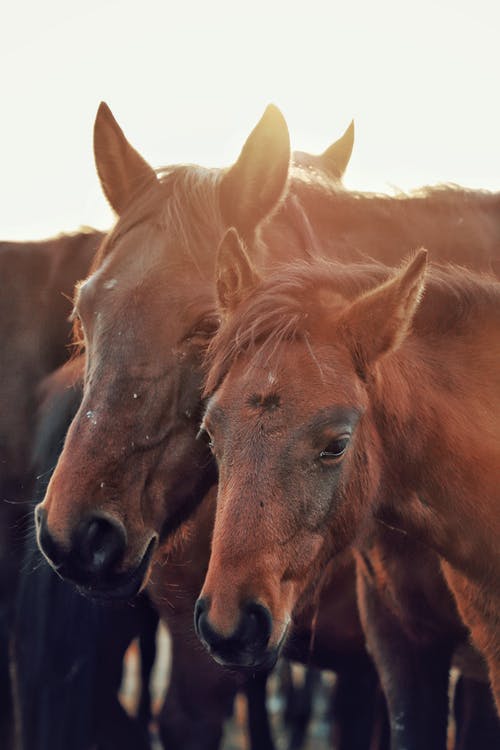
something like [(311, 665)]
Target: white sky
[(188, 80)]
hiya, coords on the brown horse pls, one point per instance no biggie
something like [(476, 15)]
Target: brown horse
[(99, 525), (122, 482), (341, 397), (37, 281), (157, 265)]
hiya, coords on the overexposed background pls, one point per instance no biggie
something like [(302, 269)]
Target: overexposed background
[(188, 80)]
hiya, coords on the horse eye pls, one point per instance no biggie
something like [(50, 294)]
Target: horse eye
[(205, 328), (205, 437), (335, 448)]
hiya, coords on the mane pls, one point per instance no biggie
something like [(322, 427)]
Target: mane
[(444, 195), (457, 225), (294, 301)]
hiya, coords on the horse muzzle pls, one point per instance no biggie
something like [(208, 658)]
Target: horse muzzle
[(94, 559), (248, 646)]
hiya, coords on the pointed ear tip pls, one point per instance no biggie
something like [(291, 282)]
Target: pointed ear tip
[(273, 112), (347, 135), (103, 109), (104, 115), (273, 109), (343, 145)]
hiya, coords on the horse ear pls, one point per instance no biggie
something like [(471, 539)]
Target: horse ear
[(121, 169), (253, 187), (378, 321), (234, 272), (335, 158)]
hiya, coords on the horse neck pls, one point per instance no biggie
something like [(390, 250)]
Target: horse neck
[(442, 473)]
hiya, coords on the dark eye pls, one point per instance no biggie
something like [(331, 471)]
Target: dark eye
[(204, 436), (205, 328), (335, 448)]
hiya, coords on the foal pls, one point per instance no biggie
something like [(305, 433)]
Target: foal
[(341, 397)]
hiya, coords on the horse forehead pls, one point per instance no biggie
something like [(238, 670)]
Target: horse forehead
[(142, 292), (132, 260), (303, 381)]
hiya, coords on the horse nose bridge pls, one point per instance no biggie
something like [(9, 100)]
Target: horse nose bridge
[(241, 559), (223, 590), (96, 448), (108, 432), (98, 434), (241, 508), (224, 605), (79, 484)]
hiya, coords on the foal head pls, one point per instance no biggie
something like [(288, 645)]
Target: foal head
[(291, 427)]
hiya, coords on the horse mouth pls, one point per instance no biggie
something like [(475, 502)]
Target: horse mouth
[(123, 585), (93, 582), (246, 661)]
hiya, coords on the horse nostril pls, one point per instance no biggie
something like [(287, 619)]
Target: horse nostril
[(100, 542), (256, 626), (200, 610), (247, 645)]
